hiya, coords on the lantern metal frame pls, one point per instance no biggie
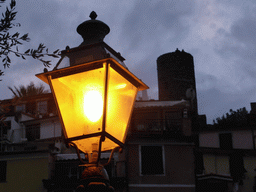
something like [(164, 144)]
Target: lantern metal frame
[(72, 70)]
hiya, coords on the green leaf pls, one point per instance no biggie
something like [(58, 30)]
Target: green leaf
[(12, 4), (26, 52), (56, 51), (15, 35), (52, 55), (24, 37)]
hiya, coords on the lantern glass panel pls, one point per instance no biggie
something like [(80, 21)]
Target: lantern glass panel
[(85, 145), (108, 145), (121, 96), (80, 100), (80, 92)]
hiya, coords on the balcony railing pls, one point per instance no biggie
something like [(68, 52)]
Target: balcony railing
[(67, 174), (26, 139), (156, 125)]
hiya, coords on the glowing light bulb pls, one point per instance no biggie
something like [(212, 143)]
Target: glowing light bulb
[(93, 105)]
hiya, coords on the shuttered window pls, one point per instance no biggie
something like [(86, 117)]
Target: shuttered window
[(3, 168), (152, 160), (225, 140), (33, 132)]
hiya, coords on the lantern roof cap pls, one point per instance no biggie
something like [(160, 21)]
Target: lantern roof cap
[(93, 31)]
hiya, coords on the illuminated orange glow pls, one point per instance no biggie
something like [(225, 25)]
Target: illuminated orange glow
[(93, 105), (79, 94), (121, 86)]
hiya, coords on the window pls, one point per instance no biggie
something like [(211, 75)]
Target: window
[(42, 107), (65, 170), (151, 160), (236, 165), (173, 121), (225, 140), (20, 108), (33, 132), (4, 126), (3, 168), (199, 162), (31, 107), (147, 122)]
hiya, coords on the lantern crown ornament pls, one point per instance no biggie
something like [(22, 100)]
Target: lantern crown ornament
[(93, 30), (94, 91)]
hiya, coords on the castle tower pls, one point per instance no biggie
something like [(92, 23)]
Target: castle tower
[(176, 77)]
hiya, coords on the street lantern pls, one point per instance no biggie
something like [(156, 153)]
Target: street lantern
[(95, 102), (93, 91)]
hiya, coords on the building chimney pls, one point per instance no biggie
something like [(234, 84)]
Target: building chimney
[(145, 95), (253, 108)]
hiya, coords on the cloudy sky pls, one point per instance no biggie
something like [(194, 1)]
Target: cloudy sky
[(220, 34)]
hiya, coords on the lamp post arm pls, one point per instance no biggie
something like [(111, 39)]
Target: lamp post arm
[(77, 151), (102, 138), (111, 155)]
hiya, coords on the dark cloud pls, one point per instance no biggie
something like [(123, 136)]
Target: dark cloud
[(206, 81), (149, 19), (50, 22), (142, 31), (146, 69), (239, 40), (239, 45), (42, 21), (216, 103), (148, 25), (243, 31)]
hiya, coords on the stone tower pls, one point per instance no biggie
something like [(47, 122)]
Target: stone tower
[(176, 77)]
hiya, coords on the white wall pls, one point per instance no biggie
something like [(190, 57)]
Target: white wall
[(25, 117), (242, 139), (50, 128), (209, 140), (216, 164), (15, 133)]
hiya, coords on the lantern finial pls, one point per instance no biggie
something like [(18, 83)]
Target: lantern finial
[(93, 15), (93, 31)]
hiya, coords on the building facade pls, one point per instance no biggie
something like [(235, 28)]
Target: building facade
[(159, 148), (226, 157), (158, 154), (29, 133)]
